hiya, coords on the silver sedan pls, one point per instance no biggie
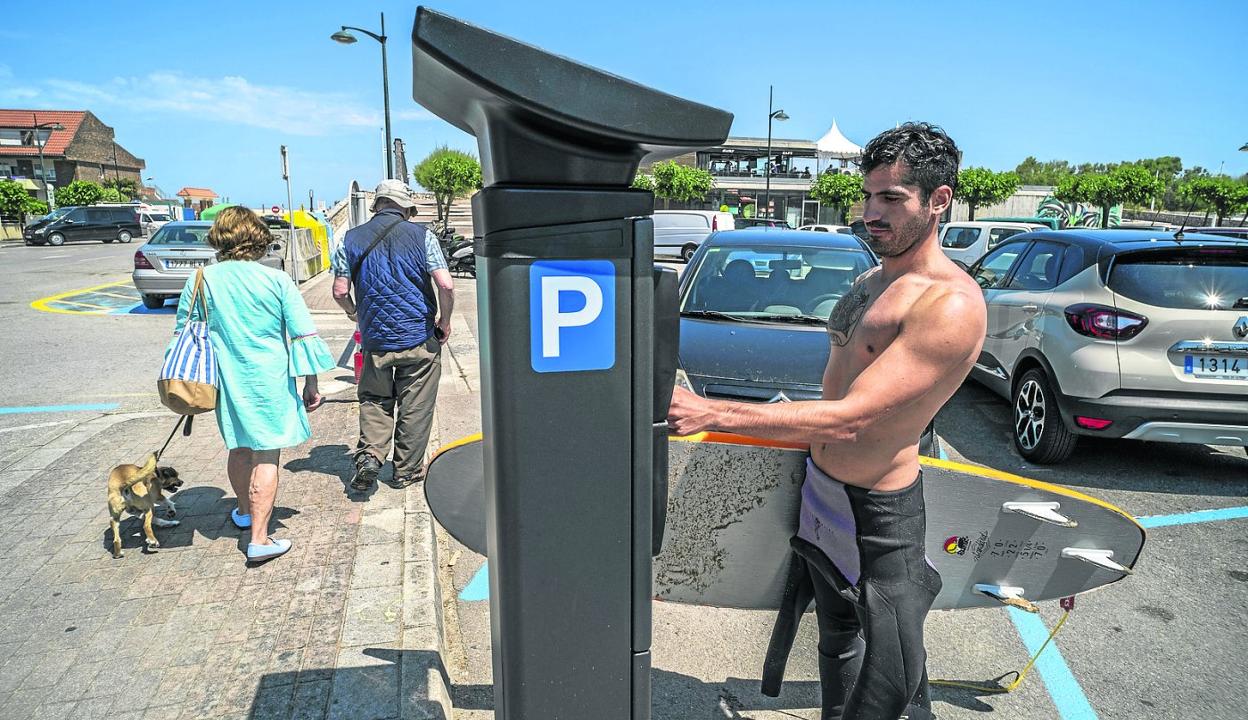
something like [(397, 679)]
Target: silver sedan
[(177, 250)]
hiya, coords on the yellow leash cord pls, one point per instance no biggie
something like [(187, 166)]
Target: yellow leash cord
[(998, 688)]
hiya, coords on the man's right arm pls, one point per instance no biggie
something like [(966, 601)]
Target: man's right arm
[(342, 296), (342, 281), (446, 300)]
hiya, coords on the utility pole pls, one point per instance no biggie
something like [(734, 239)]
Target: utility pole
[(292, 264)]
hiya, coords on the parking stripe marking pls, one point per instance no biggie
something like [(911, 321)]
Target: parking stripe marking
[(44, 304), (56, 408), (1071, 703), (82, 304), (35, 426), (131, 298), (478, 588), (1199, 516)]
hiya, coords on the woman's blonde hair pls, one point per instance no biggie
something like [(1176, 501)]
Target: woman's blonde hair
[(239, 234)]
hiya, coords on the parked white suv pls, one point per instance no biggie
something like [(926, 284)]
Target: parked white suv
[(966, 242), (678, 233), (1117, 333)]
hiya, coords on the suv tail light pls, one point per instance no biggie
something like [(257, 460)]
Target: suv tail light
[(141, 262), (1104, 323), (714, 223)]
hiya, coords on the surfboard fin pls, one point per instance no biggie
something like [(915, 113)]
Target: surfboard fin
[(1042, 511), (1007, 595), (1100, 558)]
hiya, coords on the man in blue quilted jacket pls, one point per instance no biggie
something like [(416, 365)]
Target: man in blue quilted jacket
[(391, 278)]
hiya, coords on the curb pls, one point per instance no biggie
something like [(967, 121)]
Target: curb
[(424, 684)]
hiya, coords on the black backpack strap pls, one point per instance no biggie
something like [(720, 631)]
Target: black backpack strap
[(359, 262)]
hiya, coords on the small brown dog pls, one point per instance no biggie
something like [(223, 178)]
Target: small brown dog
[(138, 490)]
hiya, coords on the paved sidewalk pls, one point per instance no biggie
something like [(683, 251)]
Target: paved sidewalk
[(344, 626)]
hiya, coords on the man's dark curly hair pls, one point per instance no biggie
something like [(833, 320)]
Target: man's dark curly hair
[(929, 154)]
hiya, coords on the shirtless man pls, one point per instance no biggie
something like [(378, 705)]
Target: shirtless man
[(903, 339)]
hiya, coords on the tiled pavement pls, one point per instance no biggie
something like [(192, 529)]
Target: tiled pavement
[(343, 626)]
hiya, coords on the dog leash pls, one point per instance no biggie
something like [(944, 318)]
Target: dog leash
[(186, 432)]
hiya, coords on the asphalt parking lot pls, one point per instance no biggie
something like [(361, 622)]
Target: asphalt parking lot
[(1168, 642)]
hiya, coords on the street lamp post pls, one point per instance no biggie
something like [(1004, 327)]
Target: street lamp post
[(346, 38), (43, 168), (771, 115)]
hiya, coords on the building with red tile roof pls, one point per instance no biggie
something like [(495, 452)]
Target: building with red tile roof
[(74, 144)]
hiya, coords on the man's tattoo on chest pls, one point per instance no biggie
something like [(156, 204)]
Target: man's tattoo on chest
[(846, 314)]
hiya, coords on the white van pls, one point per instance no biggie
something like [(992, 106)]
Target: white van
[(153, 220), (965, 242), (678, 233)]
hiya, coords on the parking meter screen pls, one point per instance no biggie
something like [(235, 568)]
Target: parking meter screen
[(572, 315)]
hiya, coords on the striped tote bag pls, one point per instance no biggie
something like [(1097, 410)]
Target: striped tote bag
[(188, 379)]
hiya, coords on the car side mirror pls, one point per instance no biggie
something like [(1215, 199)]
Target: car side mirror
[(276, 247)]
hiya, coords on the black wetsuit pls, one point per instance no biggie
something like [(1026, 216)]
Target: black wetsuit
[(872, 663)]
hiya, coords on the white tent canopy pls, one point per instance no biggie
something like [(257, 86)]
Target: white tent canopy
[(834, 145)]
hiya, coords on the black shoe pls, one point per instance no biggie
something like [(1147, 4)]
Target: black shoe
[(401, 482), (366, 471)]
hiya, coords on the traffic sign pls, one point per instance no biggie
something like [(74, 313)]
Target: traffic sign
[(275, 210)]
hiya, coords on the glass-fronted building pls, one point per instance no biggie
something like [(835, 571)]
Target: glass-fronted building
[(740, 168)]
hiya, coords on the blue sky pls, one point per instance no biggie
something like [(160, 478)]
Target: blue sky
[(206, 96)]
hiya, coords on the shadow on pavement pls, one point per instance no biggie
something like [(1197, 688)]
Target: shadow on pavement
[(976, 422), (202, 510), (337, 460), (370, 690)]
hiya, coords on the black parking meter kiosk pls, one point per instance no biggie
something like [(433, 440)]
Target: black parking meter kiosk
[(572, 340)]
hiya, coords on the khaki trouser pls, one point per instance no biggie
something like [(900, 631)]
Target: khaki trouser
[(408, 379)]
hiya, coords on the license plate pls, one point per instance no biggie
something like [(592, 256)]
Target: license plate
[(175, 264), (1220, 367)]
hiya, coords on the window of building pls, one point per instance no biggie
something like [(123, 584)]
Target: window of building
[(16, 137)]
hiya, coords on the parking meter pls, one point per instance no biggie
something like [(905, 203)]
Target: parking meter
[(571, 344)]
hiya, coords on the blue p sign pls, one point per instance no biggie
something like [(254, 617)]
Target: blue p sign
[(572, 315)]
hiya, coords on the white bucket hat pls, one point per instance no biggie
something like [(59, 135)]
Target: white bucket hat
[(396, 191)]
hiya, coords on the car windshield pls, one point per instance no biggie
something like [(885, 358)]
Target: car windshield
[(772, 282), (58, 213), (1202, 278), (181, 235)]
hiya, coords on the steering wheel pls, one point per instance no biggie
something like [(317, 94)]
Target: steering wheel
[(820, 299)]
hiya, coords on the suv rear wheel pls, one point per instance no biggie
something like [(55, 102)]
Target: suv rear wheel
[(1039, 433), (125, 236), (686, 253)]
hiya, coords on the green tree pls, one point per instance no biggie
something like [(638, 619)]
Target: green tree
[(1033, 172), (16, 202), (79, 192), (980, 186), (682, 183), (643, 182), (448, 174), (1122, 184), (838, 190), (1220, 194), (113, 195), (126, 188)]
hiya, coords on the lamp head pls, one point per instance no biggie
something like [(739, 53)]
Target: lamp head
[(343, 36), (780, 115)]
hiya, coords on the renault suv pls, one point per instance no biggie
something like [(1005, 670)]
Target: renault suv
[(1141, 335)]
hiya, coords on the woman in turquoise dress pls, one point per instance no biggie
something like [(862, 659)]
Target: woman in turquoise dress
[(264, 338)]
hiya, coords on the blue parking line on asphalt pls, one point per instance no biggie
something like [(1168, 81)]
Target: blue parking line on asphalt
[(1064, 689), (56, 408), (1067, 695), (141, 309), (1199, 516), (478, 588)]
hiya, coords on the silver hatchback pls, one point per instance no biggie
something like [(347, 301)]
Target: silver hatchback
[(1140, 335), (177, 250)]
